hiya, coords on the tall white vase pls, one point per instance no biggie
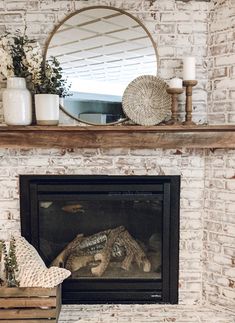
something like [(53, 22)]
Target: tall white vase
[(17, 102), (47, 109)]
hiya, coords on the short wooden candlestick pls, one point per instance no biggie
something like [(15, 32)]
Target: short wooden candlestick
[(188, 105), (174, 104)]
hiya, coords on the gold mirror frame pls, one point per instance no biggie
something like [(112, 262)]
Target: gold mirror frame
[(100, 7)]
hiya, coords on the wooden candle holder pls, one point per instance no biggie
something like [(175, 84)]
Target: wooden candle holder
[(188, 105), (174, 104)]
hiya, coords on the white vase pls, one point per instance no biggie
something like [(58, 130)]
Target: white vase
[(17, 102), (47, 109)]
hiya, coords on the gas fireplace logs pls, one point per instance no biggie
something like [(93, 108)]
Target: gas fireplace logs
[(96, 252)]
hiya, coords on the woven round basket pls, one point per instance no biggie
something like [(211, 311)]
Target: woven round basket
[(145, 100)]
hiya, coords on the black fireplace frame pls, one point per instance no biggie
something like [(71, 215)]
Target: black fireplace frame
[(111, 290)]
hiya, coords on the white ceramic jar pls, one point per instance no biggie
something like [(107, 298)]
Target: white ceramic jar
[(47, 109), (17, 102)]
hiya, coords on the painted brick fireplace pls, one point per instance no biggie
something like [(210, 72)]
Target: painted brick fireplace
[(207, 180)]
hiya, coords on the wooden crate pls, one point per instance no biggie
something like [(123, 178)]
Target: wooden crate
[(31, 305)]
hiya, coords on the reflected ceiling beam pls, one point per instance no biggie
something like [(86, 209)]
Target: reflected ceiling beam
[(93, 21), (97, 34), (103, 46)]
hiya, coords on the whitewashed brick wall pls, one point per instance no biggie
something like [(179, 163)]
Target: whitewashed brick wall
[(207, 198), (188, 163), (219, 228), (178, 28), (219, 221), (221, 61)]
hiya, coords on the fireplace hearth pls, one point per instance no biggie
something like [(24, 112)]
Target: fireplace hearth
[(118, 235)]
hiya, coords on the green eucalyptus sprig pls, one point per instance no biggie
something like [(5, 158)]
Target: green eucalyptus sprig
[(51, 79), (18, 55)]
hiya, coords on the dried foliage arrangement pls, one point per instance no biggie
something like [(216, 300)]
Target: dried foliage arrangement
[(8, 258), (22, 57)]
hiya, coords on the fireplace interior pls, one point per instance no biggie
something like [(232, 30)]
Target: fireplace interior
[(118, 235)]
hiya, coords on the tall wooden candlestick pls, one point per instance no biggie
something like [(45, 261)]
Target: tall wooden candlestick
[(188, 105), (174, 104)]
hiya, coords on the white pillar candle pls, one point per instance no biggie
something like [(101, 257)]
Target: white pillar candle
[(189, 69), (175, 83)]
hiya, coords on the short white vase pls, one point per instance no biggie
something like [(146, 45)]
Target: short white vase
[(47, 109), (17, 102)]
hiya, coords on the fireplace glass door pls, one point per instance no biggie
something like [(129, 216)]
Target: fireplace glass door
[(118, 235)]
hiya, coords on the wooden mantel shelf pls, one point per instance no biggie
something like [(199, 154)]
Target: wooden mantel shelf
[(122, 136)]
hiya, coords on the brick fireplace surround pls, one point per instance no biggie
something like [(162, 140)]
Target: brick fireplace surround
[(207, 231)]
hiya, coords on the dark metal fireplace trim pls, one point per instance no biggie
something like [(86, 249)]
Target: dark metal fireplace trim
[(111, 290)]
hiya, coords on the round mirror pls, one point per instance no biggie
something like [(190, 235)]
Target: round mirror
[(101, 50)]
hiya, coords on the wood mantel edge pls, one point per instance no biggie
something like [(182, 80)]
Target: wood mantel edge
[(119, 136), (121, 128)]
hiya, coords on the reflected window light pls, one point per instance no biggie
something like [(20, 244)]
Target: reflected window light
[(99, 87)]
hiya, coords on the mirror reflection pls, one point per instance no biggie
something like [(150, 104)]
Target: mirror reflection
[(101, 50)]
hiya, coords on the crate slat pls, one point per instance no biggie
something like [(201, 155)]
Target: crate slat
[(27, 291), (29, 321), (58, 302), (28, 313), (27, 302), (30, 305)]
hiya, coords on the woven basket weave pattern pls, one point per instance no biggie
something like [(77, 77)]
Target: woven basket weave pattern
[(145, 100)]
